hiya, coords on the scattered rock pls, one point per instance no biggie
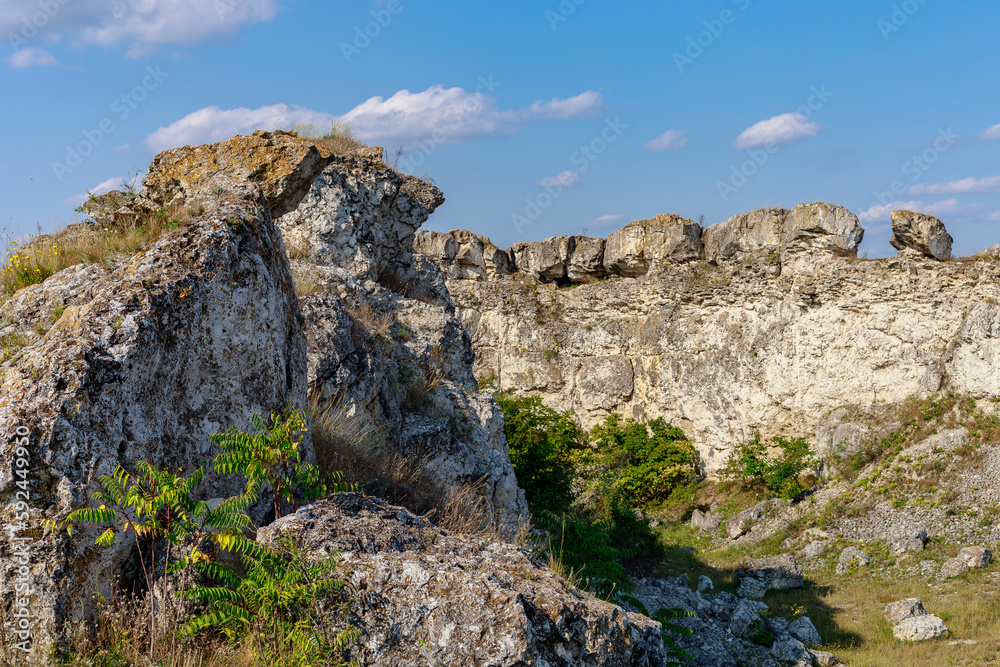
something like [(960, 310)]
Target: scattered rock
[(851, 559), (953, 567), (823, 658), (928, 566), (746, 620), (899, 611), (976, 556), (447, 600), (919, 628), (791, 650), (708, 522), (705, 584), (742, 523), (907, 539), (759, 575), (922, 233), (814, 549), (804, 630)]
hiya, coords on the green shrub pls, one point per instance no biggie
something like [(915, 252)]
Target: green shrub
[(752, 468), (645, 461), (541, 441), (583, 550)]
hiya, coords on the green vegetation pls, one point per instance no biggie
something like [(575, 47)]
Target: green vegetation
[(785, 476), (622, 467), (278, 607)]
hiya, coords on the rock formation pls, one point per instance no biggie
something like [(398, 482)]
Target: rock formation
[(920, 234), (772, 343), (203, 328), (142, 360)]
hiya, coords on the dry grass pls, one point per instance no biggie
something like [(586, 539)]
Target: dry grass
[(43, 256), (339, 139), (369, 323), (305, 284), (351, 444)]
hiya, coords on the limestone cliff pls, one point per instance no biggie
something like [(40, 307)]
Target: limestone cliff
[(784, 325)]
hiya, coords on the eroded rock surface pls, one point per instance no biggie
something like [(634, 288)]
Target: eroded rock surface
[(142, 361), (432, 598), (922, 234)]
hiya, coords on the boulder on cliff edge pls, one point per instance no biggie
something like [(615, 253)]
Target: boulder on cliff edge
[(920, 233)]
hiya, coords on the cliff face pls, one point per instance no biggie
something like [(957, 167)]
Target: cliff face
[(143, 357), (782, 327)]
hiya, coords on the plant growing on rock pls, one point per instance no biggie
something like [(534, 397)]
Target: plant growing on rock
[(752, 468), (156, 505), (271, 454)]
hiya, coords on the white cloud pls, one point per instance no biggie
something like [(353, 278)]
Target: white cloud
[(670, 140), (991, 134), (31, 57), (141, 25), (585, 104), (963, 186), (438, 115), (994, 216), (567, 179), (780, 130), (214, 124), (116, 183), (606, 220), (937, 209)]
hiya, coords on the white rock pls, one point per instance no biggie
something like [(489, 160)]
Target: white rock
[(919, 628)]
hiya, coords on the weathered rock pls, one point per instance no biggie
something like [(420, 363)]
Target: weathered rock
[(851, 559), (807, 231), (705, 584), (453, 601), (636, 247), (728, 350), (708, 522), (992, 251), (746, 618), (823, 658), (803, 629), (814, 549), (899, 611), (923, 233), (919, 628), (953, 567), (578, 259), (976, 556), (740, 524), (195, 333), (790, 650), (907, 539), (462, 255), (775, 573)]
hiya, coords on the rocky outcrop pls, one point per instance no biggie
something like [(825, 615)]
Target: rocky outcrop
[(759, 575), (806, 232), (463, 255), (430, 597), (577, 259), (140, 360), (920, 235), (725, 350), (635, 248)]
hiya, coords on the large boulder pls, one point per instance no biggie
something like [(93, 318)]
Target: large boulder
[(462, 255), (448, 600), (806, 232), (140, 360), (919, 233), (919, 628), (759, 575), (899, 611), (578, 259), (636, 247)]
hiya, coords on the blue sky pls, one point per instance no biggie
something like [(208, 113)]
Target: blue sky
[(535, 118)]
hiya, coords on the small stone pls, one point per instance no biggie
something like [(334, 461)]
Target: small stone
[(814, 549), (851, 559), (790, 649), (953, 567), (823, 659), (976, 556), (899, 611), (705, 584), (919, 628), (804, 630)]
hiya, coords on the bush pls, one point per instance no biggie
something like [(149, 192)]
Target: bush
[(752, 468), (646, 461), (541, 441)]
